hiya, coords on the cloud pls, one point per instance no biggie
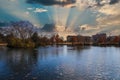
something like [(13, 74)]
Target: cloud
[(59, 28), (114, 1), (109, 20), (85, 4), (115, 32), (27, 12), (52, 2), (81, 4), (110, 9), (65, 3), (87, 30), (40, 10), (30, 8), (87, 27), (111, 15), (103, 2), (36, 10)]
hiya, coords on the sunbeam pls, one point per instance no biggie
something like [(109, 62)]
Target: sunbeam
[(48, 14), (73, 17), (61, 15), (55, 14)]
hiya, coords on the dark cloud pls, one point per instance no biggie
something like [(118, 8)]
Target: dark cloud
[(52, 2), (111, 2), (114, 1), (48, 27), (98, 2)]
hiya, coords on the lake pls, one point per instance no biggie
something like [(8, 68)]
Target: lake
[(60, 63)]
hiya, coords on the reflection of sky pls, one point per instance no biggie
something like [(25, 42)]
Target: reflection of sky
[(87, 64)]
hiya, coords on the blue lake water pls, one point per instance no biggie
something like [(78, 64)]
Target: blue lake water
[(60, 63)]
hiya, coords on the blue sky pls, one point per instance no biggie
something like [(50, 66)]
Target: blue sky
[(84, 16)]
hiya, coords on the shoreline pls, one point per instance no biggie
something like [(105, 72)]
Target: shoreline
[(69, 44)]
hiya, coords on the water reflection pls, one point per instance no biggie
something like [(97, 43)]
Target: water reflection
[(18, 62), (60, 63)]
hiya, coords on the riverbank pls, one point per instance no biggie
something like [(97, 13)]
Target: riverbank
[(69, 44), (88, 44)]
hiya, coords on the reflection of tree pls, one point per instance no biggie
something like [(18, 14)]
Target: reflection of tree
[(2, 52), (53, 50), (21, 61), (79, 49)]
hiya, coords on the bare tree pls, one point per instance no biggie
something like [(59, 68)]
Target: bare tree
[(19, 30)]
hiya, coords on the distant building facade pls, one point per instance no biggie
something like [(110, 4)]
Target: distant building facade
[(99, 38)]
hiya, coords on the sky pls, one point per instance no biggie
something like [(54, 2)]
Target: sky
[(86, 17)]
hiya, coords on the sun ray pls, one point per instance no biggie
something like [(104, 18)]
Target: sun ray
[(56, 15), (60, 15), (73, 15), (49, 15)]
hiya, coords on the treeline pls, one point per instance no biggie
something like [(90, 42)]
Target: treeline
[(26, 36)]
